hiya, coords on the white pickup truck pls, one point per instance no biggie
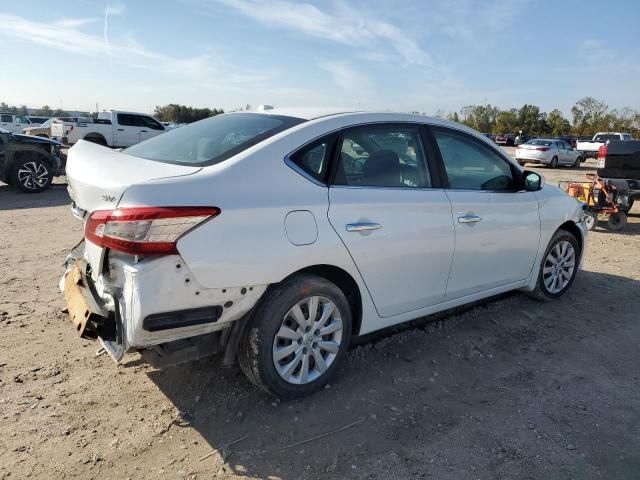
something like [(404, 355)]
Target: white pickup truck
[(589, 149), (111, 129)]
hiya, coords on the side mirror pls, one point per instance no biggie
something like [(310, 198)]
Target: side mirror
[(532, 181)]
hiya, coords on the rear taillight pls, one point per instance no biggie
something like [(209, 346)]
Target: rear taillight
[(145, 230), (543, 149)]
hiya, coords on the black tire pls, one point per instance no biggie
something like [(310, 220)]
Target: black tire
[(554, 162), (591, 220), (521, 163), (542, 291), (617, 221), (258, 342), (577, 163), (31, 173), (97, 140)]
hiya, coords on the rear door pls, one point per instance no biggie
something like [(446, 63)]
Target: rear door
[(386, 205), (150, 127), (127, 130), (497, 227)]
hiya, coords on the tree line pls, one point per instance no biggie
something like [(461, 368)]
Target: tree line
[(588, 116), (183, 114), (45, 111)]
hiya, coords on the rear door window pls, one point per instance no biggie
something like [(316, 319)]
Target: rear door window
[(471, 165), (128, 120), (382, 156), (6, 118)]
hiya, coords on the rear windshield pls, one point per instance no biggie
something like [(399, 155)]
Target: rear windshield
[(545, 143), (604, 138), (212, 140)]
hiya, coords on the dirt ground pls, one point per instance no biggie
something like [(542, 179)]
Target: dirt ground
[(510, 389)]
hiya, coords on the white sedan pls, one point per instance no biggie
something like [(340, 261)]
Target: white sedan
[(551, 152), (281, 235)]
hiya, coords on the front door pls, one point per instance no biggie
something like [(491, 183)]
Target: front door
[(497, 227), (396, 227), (127, 131)]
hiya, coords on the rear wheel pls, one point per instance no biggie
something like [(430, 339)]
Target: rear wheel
[(296, 337), (627, 208), (617, 221), (554, 162), (31, 173), (559, 266), (521, 163)]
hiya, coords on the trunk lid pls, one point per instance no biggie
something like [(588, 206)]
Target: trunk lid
[(97, 176)]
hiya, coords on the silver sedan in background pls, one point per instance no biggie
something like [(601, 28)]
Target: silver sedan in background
[(549, 152)]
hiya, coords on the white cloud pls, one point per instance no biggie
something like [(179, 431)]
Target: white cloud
[(347, 77), (75, 22), (346, 26)]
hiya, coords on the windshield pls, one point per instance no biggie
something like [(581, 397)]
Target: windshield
[(212, 140), (546, 143), (46, 123)]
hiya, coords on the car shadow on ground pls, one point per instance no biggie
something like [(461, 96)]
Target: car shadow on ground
[(504, 388), (12, 198)]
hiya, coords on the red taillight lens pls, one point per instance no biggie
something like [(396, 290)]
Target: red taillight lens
[(145, 230), (543, 149), (602, 151)]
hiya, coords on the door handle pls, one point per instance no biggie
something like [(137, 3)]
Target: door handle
[(143, 131), (469, 219), (362, 227), (121, 129)]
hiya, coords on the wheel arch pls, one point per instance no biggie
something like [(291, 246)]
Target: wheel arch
[(345, 282), (572, 228), (94, 135)]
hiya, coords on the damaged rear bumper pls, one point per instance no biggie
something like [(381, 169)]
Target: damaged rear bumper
[(138, 304)]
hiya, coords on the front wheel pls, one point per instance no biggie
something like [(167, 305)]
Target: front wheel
[(591, 219), (31, 174), (559, 266), (296, 337), (554, 162), (577, 163)]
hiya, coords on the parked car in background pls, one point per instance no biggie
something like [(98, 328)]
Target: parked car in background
[(548, 151), (269, 226), (13, 122), (36, 121), (521, 138), (589, 149), (506, 139), (44, 130), (111, 129), (619, 166), (490, 136), (29, 163)]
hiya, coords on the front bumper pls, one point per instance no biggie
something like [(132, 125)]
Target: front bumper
[(140, 303)]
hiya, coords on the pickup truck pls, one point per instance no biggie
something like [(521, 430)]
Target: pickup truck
[(111, 129), (619, 166), (589, 149), (14, 123)]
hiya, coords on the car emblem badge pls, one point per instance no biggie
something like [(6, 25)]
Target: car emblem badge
[(108, 198)]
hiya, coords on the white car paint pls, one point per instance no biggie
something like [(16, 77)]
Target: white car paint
[(275, 221), (589, 149), (544, 151)]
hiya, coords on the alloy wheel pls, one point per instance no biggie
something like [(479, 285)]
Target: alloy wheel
[(308, 340), (559, 267), (33, 175)]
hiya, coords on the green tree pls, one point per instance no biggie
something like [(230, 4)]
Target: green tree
[(453, 117), (589, 116), (23, 110), (558, 125), (45, 111), (531, 120), (506, 122), (480, 117)]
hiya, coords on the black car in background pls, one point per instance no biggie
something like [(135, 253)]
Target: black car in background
[(29, 163), (506, 139)]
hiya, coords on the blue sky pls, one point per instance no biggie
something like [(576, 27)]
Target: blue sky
[(424, 55)]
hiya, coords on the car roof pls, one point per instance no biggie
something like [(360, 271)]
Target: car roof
[(304, 113)]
